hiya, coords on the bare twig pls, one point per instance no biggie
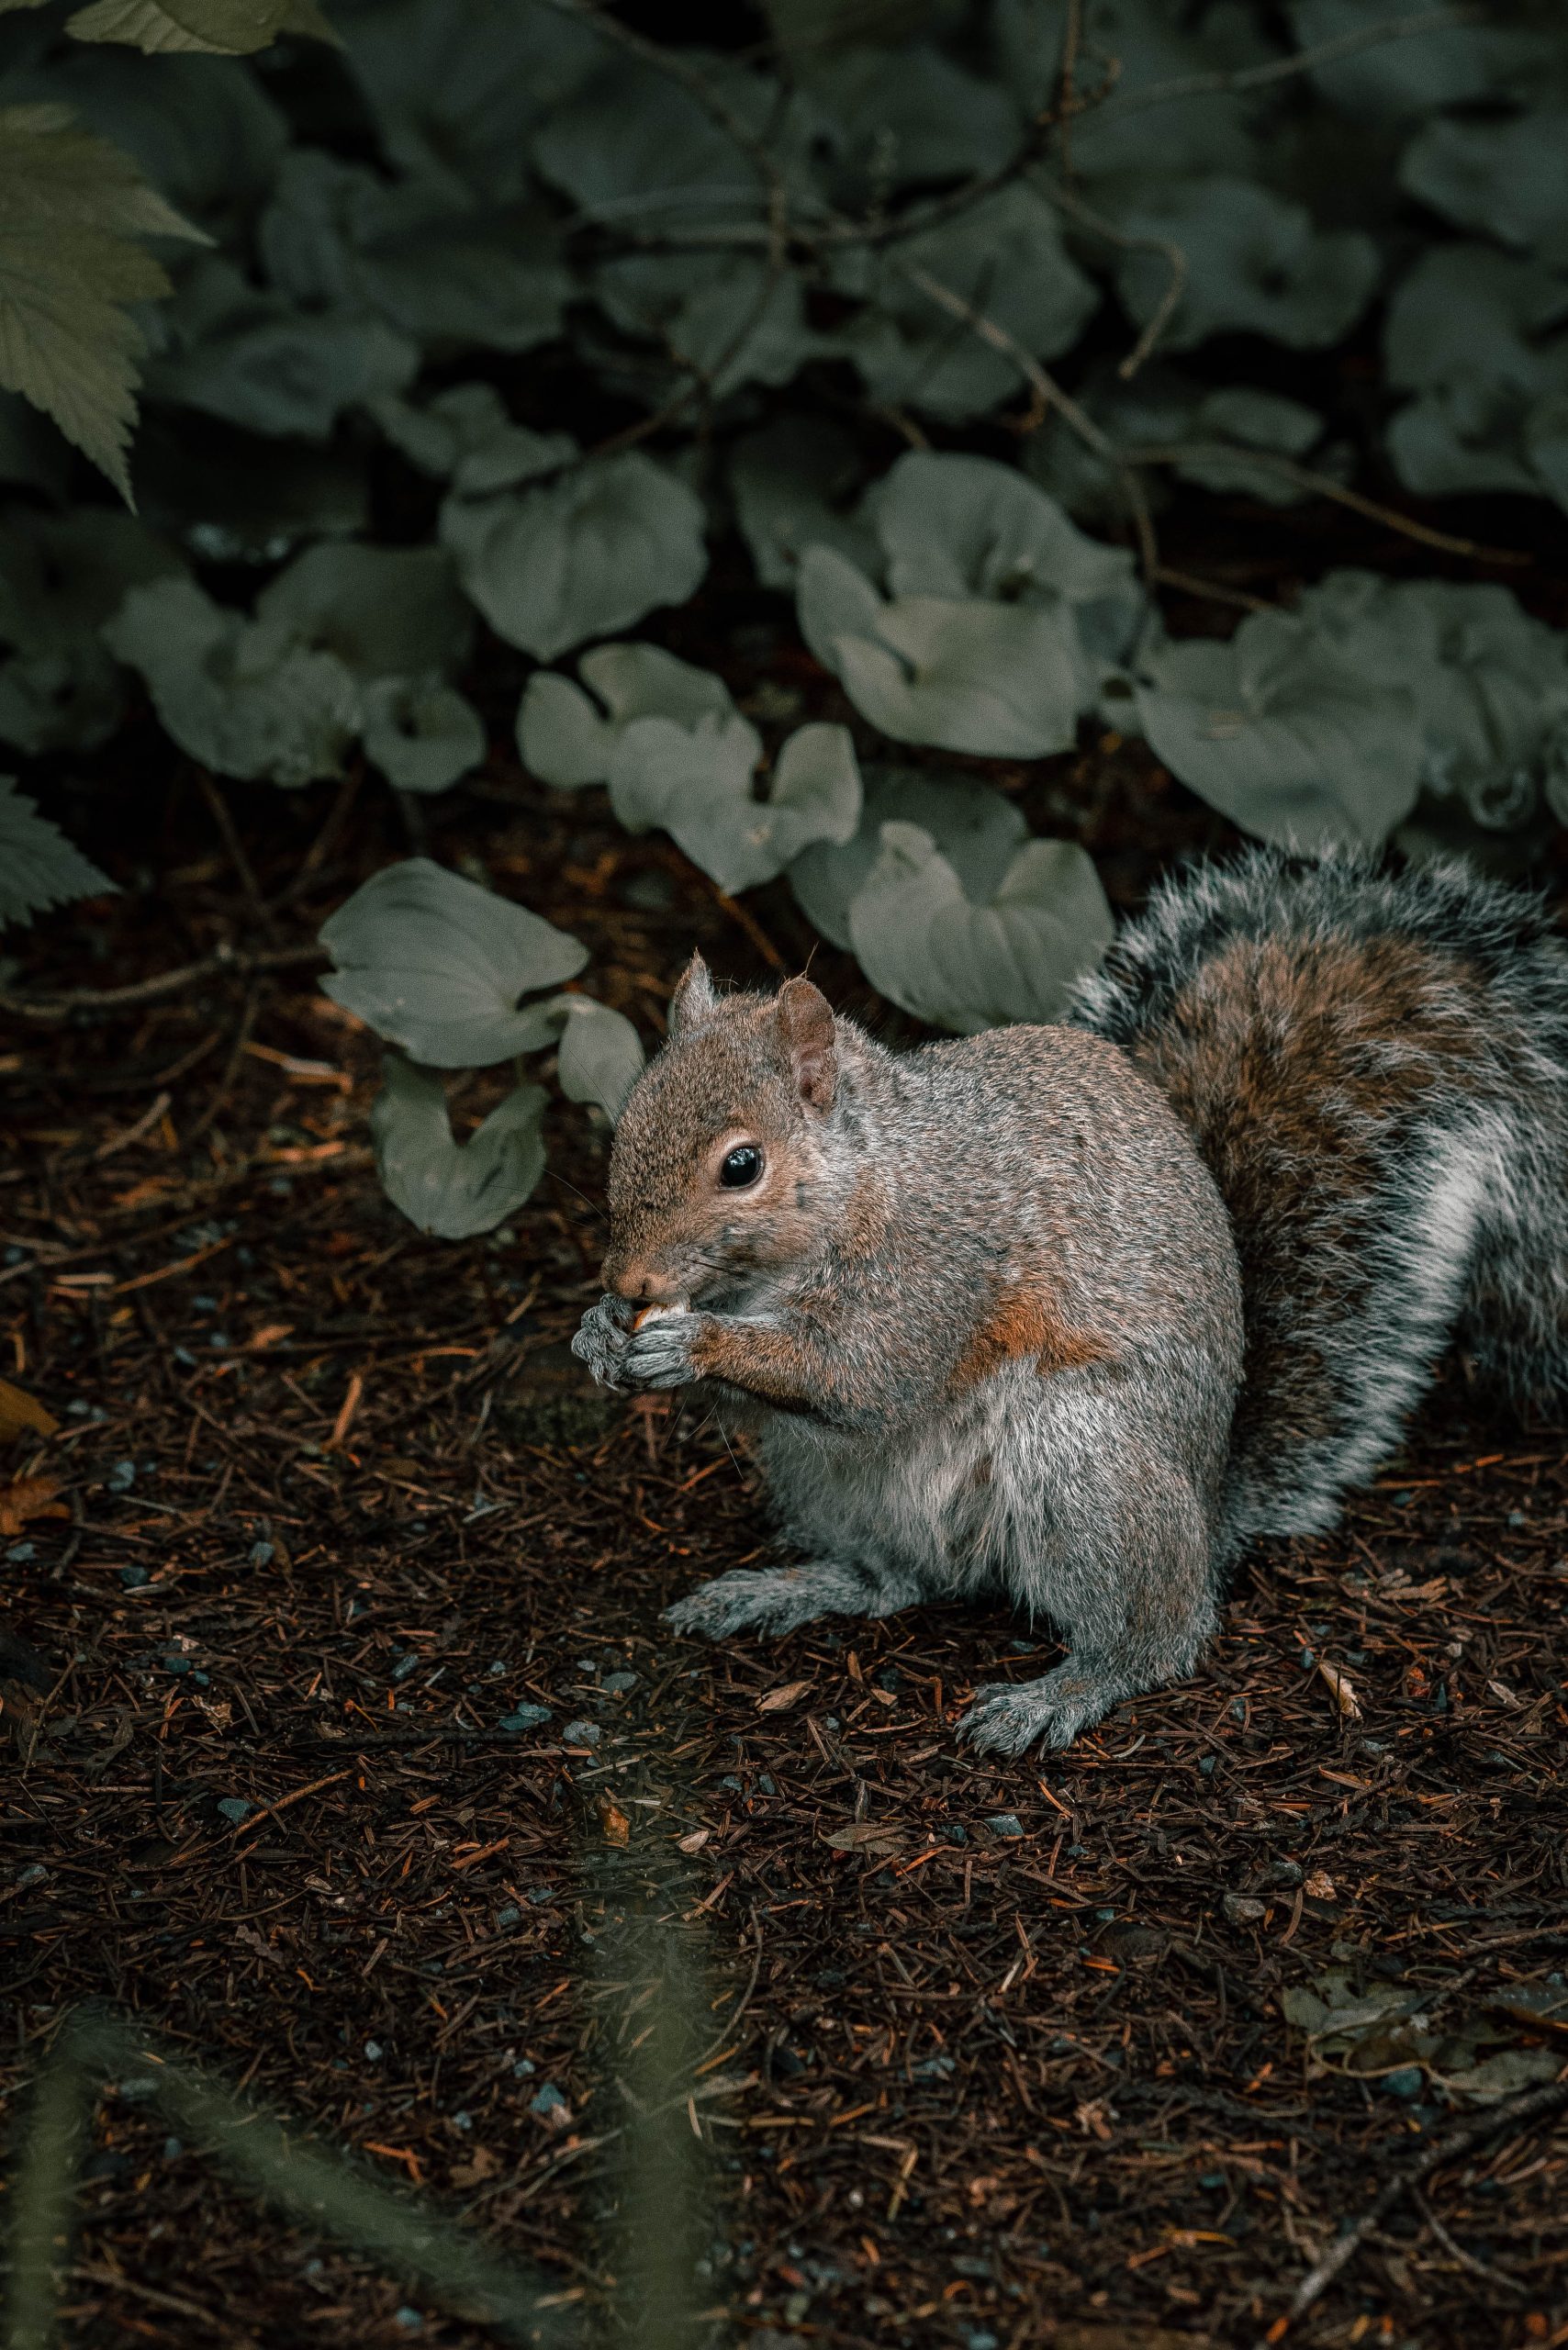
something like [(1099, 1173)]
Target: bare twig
[(1457, 2251), (222, 816), (1190, 583), (1515, 2113), (1052, 396), (1067, 88), (1304, 61), (1170, 252), (1179, 452), (223, 962)]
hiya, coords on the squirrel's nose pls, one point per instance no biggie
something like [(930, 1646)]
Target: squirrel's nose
[(639, 1283)]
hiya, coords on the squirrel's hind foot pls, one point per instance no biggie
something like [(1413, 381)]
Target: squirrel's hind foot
[(775, 1600), (1009, 1716)]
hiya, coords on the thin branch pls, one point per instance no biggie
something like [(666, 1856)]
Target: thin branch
[(1049, 392), (1210, 589), (1534, 2105), (1179, 453), (1067, 91), (223, 817), (1170, 252), (224, 962), (1303, 60), (1457, 2251)]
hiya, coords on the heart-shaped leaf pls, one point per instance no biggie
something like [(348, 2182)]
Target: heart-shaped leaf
[(422, 733), (437, 964), (976, 829), (922, 940), (582, 556), (561, 734), (599, 1056), (1256, 263), (453, 1189), (385, 611), (697, 784)]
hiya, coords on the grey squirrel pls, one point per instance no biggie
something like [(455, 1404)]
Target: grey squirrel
[(1072, 1311)]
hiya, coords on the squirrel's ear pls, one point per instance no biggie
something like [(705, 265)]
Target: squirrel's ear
[(805, 1019), (695, 999)]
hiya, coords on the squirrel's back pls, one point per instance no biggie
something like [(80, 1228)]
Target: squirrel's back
[(1374, 1065)]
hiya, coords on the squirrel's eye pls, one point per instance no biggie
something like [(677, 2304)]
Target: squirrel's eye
[(740, 1167)]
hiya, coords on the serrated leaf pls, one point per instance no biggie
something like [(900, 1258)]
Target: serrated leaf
[(226, 27), (583, 556), (695, 782), (385, 611), (453, 1189), (1001, 680), (437, 964), (1270, 730), (71, 208), (923, 941), (39, 867), (245, 355), (241, 695), (564, 740), (794, 484), (422, 734), (599, 1056), (977, 829), (1256, 265)]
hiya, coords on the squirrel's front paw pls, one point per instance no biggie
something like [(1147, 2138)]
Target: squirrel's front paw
[(1009, 1716), (602, 1337), (659, 1354)]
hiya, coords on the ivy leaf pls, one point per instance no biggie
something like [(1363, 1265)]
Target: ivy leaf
[(1472, 331), (954, 525), (385, 611), (792, 483), (728, 318), (437, 964), (583, 556), (1257, 265), (252, 358), (561, 735), (976, 829), (696, 783), (453, 1189), (599, 1056), (39, 867), (227, 27), (1001, 680), (422, 733), (1270, 730), (72, 207), (241, 695), (465, 436), (921, 939)]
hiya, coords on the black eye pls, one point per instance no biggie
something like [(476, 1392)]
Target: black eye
[(741, 1166)]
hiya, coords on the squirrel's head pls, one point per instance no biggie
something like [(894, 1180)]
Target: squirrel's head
[(719, 1165)]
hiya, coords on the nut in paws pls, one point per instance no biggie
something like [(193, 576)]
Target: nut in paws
[(659, 1354)]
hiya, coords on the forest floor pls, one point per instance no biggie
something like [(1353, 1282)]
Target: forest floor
[(997, 2055)]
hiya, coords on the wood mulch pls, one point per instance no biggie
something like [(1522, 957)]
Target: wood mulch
[(996, 2050)]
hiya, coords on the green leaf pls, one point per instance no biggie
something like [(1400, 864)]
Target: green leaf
[(63, 575), (456, 86), (959, 526), (72, 207), (564, 741), (385, 611), (465, 435), (453, 1189), (253, 359), (1270, 730), (66, 700), (726, 318), (422, 733), (437, 964), (1473, 330), (634, 145), (923, 941), (227, 27), (1005, 256), (1505, 177), (695, 782), (1001, 680), (1257, 265), (976, 829), (439, 268), (1444, 65), (1253, 420), (39, 867), (241, 695), (903, 117), (599, 1056), (583, 556), (1152, 43), (793, 484)]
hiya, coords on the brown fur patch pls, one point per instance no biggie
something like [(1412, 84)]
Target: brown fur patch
[(1024, 1324)]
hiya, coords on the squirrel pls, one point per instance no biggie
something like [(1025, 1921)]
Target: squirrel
[(1074, 1312)]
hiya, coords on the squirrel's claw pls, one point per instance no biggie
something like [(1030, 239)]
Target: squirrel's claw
[(601, 1340), (1009, 1716)]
